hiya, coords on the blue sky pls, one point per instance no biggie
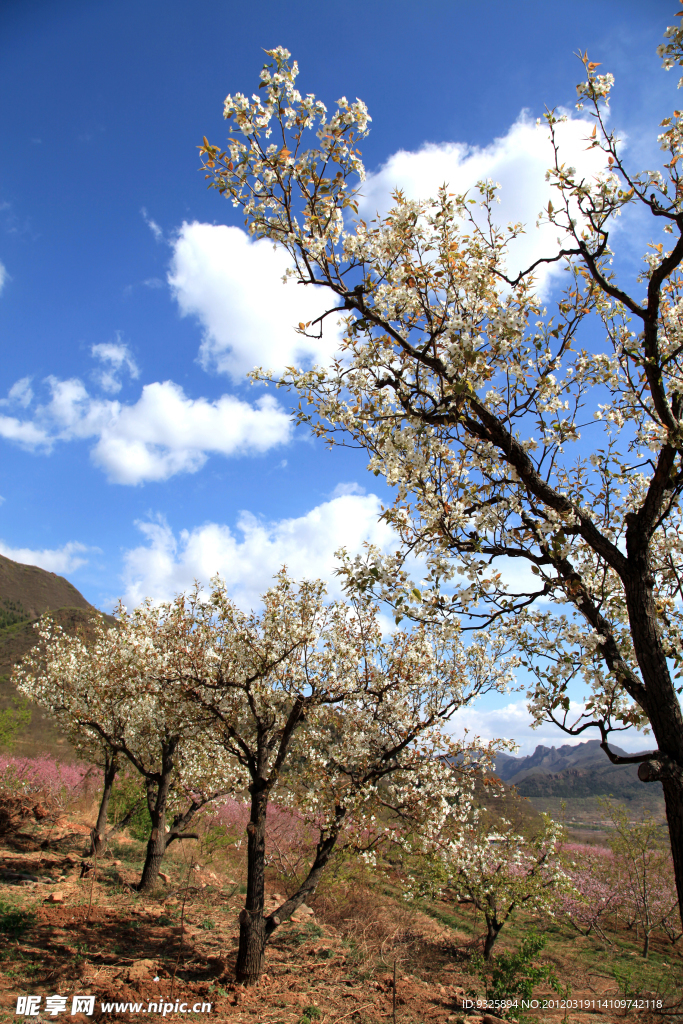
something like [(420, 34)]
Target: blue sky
[(135, 457)]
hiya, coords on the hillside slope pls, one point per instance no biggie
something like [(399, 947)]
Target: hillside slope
[(27, 592), (35, 590)]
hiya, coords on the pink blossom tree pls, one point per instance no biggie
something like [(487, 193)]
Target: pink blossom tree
[(596, 888)]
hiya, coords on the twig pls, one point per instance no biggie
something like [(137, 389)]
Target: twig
[(356, 1010), (297, 963)]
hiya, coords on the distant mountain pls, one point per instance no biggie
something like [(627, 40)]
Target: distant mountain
[(551, 759), (27, 592), (583, 770)]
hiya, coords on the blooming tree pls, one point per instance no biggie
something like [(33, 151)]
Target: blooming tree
[(509, 439), (323, 715), (498, 870), (380, 764), (597, 889), (633, 878), (69, 701), (115, 699)]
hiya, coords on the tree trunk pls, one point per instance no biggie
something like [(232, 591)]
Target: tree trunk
[(98, 836), (660, 703), (252, 947), (323, 853), (156, 848), (673, 802), (158, 840), (492, 930), (252, 942)]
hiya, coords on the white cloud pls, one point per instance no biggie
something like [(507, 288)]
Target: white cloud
[(347, 488), (161, 434), (60, 560), (23, 432), (152, 225), (233, 285), (250, 556), (3, 276), (517, 161), (513, 722), (166, 433), (116, 356), (20, 393)]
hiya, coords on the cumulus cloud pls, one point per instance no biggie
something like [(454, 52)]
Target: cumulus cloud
[(3, 276), (60, 560), (233, 286), (517, 161), (115, 356), (248, 557), (164, 433), (513, 722)]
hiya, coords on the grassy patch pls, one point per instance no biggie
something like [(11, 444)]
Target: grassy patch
[(14, 921)]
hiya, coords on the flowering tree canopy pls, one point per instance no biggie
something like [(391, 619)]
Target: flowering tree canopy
[(499, 870), (305, 702), (514, 435), (315, 709), (596, 888), (116, 693), (71, 703)]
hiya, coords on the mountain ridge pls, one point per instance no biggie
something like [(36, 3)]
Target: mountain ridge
[(572, 771)]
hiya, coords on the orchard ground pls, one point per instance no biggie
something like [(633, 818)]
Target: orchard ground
[(66, 934)]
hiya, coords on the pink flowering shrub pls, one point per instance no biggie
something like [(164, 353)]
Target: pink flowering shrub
[(46, 775), (651, 898), (607, 884), (290, 839), (598, 891), (290, 842)]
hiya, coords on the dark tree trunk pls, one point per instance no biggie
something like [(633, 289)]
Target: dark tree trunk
[(252, 924), (673, 801), (156, 848), (492, 930), (158, 839), (660, 703), (98, 835), (183, 819)]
